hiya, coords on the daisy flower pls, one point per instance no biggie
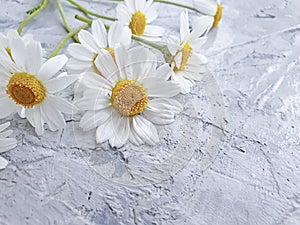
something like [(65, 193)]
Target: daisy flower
[(29, 83), (211, 8), (132, 95), (83, 55), (6, 143), (186, 62), (138, 15), (6, 40)]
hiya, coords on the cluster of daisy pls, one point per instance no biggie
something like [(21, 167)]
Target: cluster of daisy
[(123, 90)]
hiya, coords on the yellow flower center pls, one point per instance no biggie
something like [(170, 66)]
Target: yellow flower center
[(218, 15), (25, 89), (129, 97), (8, 50), (138, 23), (186, 54), (110, 51)]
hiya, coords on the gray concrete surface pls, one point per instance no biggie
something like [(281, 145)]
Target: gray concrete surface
[(231, 158)]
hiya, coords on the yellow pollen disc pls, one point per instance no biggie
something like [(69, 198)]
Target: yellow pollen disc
[(218, 15), (186, 54), (25, 89), (8, 50), (129, 98), (138, 23)]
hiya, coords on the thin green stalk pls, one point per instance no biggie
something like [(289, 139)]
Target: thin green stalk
[(87, 12), (149, 43), (33, 13), (66, 38), (178, 5), (88, 21), (67, 26), (172, 3)]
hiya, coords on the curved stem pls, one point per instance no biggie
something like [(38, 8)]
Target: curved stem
[(85, 11), (66, 38), (149, 43), (88, 21), (178, 5), (172, 3), (62, 13), (35, 12)]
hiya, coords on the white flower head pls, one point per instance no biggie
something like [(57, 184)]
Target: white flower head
[(131, 96), (6, 42), (83, 55), (137, 15), (211, 8), (186, 61), (6, 143), (28, 83)]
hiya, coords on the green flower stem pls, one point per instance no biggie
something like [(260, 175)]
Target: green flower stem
[(88, 21), (33, 13), (66, 38), (172, 3), (134, 37), (67, 26), (87, 12), (149, 43), (178, 5)]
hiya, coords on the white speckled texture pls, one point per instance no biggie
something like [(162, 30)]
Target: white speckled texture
[(255, 178)]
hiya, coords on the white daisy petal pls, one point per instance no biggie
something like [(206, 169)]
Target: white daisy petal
[(52, 116), (88, 40), (162, 111), (151, 11), (184, 26), (99, 31), (18, 52), (164, 72), (51, 67), (130, 4), (93, 119), (95, 81), (139, 5), (118, 34), (33, 59), (145, 130), (78, 65), (7, 107), (60, 83), (34, 116), (197, 43), (208, 7), (201, 25), (104, 131), (62, 105), (93, 103), (121, 129), (81, 52), (105, 64), (185, 84), (158, 88), (123, 14), (152, 30)]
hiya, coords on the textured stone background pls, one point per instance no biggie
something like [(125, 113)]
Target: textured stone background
[(255, 179)]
